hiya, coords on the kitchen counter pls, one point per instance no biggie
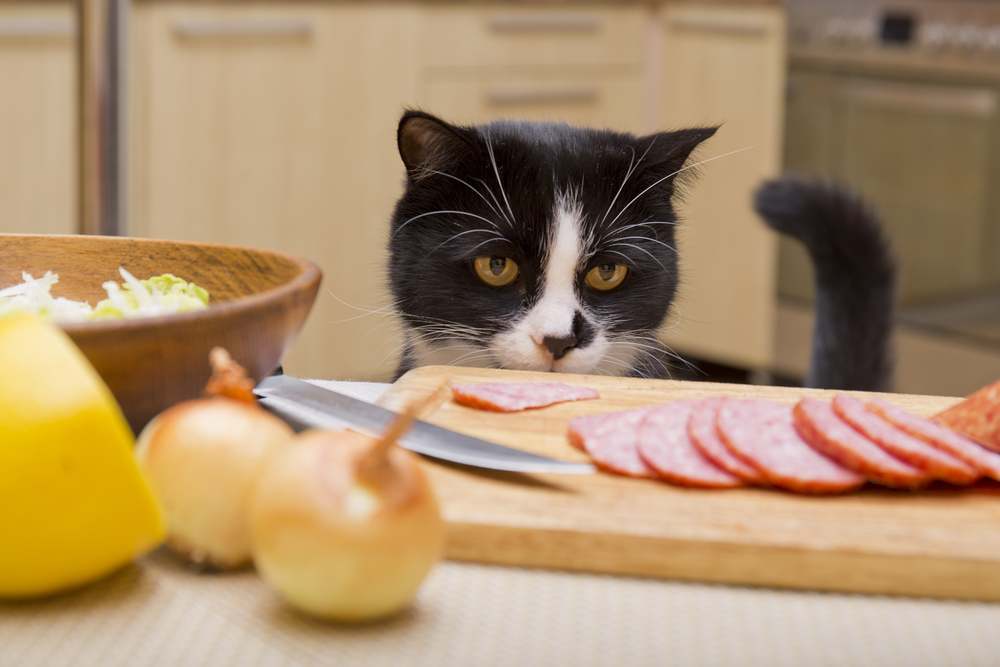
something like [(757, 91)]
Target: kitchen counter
[(158, 612)]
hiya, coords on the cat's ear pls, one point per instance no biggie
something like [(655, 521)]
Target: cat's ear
[(429, 144), (669, 151)]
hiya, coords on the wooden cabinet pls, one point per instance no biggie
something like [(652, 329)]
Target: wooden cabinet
[(725, 65), (37, 118), (579, 65), (274, 126), (594, 99)]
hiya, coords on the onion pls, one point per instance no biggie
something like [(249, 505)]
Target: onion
[(344, 526), (202, 458)]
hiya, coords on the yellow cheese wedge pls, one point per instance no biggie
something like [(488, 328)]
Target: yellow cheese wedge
[(73, 505)]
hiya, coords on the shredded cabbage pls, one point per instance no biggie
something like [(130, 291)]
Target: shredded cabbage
[(160, 295)]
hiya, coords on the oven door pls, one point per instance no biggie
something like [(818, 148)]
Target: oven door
[(923, 153)]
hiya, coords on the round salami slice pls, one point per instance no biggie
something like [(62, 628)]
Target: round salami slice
[(762, 434), (580, 427), (613, 442), (706, 438), (511, 396), (919, 454), (933, 433), (665, 445), (828, 434)]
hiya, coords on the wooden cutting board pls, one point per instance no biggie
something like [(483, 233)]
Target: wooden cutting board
[(941, 542)]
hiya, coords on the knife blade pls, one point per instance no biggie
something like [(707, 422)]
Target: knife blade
[(423, 438)]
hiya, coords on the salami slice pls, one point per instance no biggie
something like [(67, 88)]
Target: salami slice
[(706, 438), (665, 445), (977, 417), (511, 397), (828, 434), (762, 434), (613, 442), (580, 427), (933, 433), (919, 454)]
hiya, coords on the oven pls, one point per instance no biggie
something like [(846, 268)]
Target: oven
[(901, 100)]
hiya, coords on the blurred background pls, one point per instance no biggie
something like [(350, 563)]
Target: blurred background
[(272, 124)]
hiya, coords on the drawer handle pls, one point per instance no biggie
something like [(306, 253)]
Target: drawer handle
[(980, 103), (570, 94), (544, 23), (749, 27), (28, 27), (203, 28)]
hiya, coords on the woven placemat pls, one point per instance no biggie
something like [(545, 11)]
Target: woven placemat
[(160, 613)]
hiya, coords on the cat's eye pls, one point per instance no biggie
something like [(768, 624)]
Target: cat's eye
[(604, 277), (496, 271)]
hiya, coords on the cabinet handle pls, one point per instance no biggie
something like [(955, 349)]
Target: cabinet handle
[(544, 23), (205, 28), (571, 94), (727, 25), (29, 27), (980, 103)]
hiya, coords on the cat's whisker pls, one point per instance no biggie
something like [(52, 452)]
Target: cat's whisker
[(628, 174), (468, 231), (386, 311), (669, 176), (687, 364), (632, 245), (424, 215), (649, 224), (389, 354), (447, 331), (496, 172), (468, 185), (644, 238), (499, 208), (477, 355), (369, 310)]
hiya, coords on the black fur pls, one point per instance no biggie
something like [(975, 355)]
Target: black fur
[(430, 268), (855, 279)]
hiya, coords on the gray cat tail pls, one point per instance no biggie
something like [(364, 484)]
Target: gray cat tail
[(855, 279)]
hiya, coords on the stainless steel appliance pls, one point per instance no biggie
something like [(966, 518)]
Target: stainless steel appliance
[(901, 99)]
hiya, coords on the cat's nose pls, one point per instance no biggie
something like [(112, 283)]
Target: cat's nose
[(559, 345)]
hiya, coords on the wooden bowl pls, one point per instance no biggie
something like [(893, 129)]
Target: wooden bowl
[(259, 302)]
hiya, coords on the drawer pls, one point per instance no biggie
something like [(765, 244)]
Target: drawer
[(611, 100), (526, 35)]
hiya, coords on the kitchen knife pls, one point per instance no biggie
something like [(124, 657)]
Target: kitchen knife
[(423, 438)]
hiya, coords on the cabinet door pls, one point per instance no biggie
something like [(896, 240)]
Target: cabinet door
[(920, 153), (725, 65), (592, 99), (38, 128), (581, 65), (275, 126), (531, 35)]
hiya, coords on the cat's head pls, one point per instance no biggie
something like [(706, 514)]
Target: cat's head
[(536, 246)]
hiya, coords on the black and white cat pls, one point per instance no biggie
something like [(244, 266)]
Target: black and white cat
[(545, 247)]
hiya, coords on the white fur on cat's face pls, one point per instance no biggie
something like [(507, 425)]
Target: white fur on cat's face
[(522, 346)]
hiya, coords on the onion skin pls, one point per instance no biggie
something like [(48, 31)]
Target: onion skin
[(339, 546), (202, 458)]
